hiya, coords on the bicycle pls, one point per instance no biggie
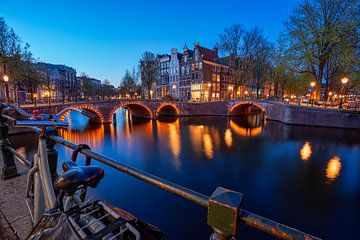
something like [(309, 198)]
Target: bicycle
[(58, 208)]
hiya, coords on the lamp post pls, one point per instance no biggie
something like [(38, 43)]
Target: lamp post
[(312, 85), (329, 98), (6, 80), (35, 96), (174, 90), (344, 81)]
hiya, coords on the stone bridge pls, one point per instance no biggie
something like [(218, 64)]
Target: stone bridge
[(152, 109)]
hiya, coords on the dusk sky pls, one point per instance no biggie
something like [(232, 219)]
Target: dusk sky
[(104, 38)]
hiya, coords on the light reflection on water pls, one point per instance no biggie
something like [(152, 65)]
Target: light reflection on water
[(302, 176)]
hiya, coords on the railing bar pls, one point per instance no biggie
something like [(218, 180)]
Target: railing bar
[(21, 158), (261, 223), (271, 227)]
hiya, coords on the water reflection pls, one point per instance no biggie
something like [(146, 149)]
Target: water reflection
[(249, 126), (228, 138), (333, 168), (243, 154), (168, 130), (305, 151)]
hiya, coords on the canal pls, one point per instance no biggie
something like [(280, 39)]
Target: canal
[(305, 177)]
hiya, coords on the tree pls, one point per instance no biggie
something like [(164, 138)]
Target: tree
[(16, 59), (149, 71), (321, 34), (87, 87), (128, 84), (106, 89), (248, 52), (259, 57)]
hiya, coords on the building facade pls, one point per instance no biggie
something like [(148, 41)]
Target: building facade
[(162, 82), (174, 73), (58, 81), (185, 74)]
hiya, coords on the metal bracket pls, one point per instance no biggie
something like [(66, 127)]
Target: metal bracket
[(223, 211)]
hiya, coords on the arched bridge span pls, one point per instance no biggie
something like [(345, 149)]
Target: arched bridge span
[(104, 111)]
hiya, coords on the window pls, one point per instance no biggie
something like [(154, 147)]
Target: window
[(214, 77), (197, 55), (218, 77), (200, 65)]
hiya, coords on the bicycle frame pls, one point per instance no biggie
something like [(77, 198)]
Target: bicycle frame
[(39, 175)]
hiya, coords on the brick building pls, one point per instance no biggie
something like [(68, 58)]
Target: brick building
[(185, 74)]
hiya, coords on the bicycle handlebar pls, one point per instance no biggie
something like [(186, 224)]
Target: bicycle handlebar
[(40, 123)]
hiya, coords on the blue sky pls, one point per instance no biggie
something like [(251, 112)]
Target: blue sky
[(103, 38)]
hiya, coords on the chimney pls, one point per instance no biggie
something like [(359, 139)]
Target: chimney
[(216, 51), (196, 44)]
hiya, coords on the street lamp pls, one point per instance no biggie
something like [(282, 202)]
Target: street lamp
[(344, 81), (312, 85), (35, 96), (6, 80)]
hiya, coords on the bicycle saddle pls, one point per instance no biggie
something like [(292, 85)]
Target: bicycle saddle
[(75, 176)]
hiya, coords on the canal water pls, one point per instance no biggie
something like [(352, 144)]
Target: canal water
[(305, 177)]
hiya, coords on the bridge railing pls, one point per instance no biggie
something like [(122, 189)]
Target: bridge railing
[(224, 206)]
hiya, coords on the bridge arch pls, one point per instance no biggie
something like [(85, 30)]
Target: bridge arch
[(138, 109), (242, 108), (99, 116), (168, 109)]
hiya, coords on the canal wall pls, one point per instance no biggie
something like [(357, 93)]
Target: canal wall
[(310, 116)]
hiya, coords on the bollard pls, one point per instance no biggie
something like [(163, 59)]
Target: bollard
[(223, 211), (9, 169), (52, 152)]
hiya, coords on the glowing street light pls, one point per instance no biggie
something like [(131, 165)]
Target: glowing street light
[(344, 81), (174, 86), (6, 80), (312, 85)]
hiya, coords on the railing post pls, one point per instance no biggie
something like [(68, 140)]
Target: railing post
[(223, 211), (52, 152), (9, 169)]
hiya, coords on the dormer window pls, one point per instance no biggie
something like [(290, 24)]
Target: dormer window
[(196, 55)]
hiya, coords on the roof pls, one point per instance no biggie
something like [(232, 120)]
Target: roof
[(179, 55), (208, 54)]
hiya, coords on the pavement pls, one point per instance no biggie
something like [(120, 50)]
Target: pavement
[(15, 221)]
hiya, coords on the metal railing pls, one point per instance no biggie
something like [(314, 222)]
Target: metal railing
[(224, 206)]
